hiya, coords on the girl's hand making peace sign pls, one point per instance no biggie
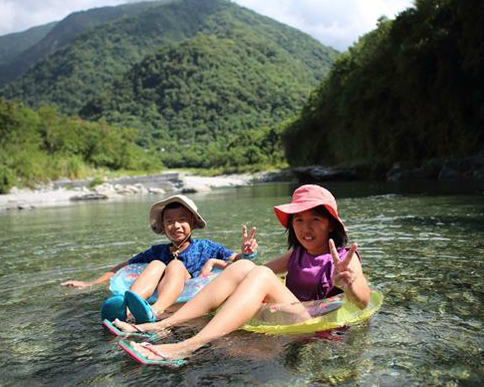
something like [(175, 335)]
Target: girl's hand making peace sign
[(344, 275), (348, 276)]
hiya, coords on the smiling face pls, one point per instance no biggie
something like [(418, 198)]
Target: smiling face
[(312, 230), (177, 223)]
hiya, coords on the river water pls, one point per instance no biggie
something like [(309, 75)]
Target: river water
[(422, 246)]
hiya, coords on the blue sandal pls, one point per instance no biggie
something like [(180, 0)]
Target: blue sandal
[(140, 308), (114, 308)]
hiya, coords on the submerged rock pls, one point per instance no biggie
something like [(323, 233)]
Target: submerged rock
[(316, 173), (89, 196), (452, 169), (399, 173)]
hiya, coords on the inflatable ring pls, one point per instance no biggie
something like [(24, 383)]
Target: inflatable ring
[(344, 313), (125, 277)]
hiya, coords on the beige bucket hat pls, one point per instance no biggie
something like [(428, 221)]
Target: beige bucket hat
[(157, 209)]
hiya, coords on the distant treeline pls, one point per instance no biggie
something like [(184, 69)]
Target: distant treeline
[(409, 91), (40, 145)]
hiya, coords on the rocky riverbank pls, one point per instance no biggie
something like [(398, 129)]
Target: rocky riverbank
[(452, 169), (65, 192)]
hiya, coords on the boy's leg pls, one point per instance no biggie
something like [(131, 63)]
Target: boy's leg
[(170, 286), (148, 280)]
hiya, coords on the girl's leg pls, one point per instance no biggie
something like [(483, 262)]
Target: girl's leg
[(261, 284), (170, 286), (209, 298), (148, 280)]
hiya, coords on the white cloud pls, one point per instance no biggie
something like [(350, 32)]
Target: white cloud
[(337, 23), (19, 15)]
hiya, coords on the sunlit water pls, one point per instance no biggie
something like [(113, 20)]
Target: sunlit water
[(422, 247)]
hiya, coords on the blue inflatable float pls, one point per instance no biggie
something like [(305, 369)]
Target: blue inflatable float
[(124, 278)]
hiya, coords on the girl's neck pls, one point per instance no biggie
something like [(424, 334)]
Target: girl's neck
[(320, 251)]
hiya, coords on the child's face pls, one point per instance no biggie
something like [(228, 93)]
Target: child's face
[(177, 223), (312, 231)]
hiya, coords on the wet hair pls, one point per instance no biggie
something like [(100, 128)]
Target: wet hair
[(338, 235)]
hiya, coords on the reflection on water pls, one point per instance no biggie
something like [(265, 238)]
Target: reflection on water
[(422, 246)]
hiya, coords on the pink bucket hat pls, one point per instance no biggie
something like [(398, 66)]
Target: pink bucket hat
[(305, 198)]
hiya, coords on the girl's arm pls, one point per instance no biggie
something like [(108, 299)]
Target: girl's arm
[(102, 279), (279, 265)]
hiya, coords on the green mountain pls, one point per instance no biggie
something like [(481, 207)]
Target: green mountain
[(12, 45), (206, 88), (408, 92), (56, 36), (73, 75)]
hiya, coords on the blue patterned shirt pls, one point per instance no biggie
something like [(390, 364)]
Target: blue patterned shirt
[(198, 252)]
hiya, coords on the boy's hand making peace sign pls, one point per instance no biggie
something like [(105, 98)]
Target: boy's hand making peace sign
[(249, 244)]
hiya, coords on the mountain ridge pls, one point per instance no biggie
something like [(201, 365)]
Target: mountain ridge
[(65, 32)]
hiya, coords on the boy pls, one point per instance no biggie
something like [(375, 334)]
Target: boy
[(169, 265)]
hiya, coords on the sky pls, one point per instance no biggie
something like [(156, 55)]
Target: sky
[(336, 23)]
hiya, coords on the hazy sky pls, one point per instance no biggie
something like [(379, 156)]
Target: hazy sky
[(337, 23)]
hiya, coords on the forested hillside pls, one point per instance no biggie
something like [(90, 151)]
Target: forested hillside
[(41, 145), (58, 35), (205, 90), (13, 44), (410, 91)]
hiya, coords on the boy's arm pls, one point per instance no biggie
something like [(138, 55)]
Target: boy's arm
[(214, 263), (102, 279)]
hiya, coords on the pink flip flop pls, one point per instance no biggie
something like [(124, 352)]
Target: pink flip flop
[(118, 332), (140, 358)]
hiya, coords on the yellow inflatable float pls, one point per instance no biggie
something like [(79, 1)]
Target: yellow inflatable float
[(335, 312)]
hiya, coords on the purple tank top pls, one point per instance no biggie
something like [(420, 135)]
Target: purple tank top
[(310, 277)]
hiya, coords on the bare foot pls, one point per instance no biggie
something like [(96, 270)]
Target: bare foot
[(161, 332), (164, 351), (158, 312), (127, 327)]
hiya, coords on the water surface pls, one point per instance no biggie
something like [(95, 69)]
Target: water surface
[(422, 246)]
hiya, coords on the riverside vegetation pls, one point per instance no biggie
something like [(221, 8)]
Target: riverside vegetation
[(223, 88), (410, 91)]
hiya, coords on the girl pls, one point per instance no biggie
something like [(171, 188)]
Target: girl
[(317, 266)]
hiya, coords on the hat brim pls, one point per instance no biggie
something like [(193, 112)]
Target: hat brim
[(157, 209)]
